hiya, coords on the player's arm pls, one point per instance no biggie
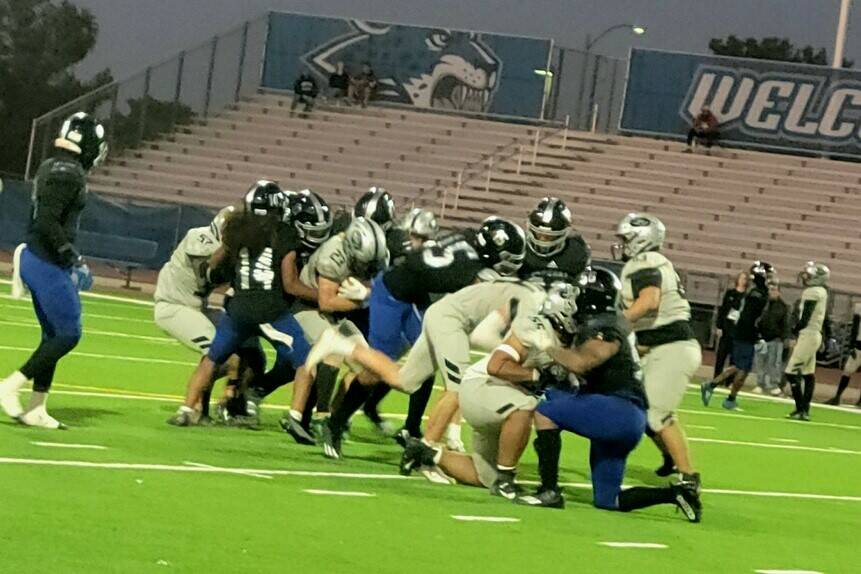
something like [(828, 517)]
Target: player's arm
[(290, 279), (52, 199), (488, 334), (646, 284), (506, 362), (806, 314), (329, 301), (216, 267), (584, 358)]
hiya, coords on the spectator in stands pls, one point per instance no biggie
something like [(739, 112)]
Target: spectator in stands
[(363, 86), (774, 330), (339, 83), (304, 92), (704, 129), (727, 317)]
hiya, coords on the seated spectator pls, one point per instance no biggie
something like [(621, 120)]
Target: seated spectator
[(362, 87), (304, 92), (704, 128), (339, 83), (774, 330)]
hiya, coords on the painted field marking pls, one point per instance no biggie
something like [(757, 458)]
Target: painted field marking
[(231, 471), (68, 445), (769, 445), (97, 296), (116, 357), (769, 398), (466, 518), (339, 492), (633, 545), (713, 413), (702, 427), (28, 310), (786, 440), (787, 572), (160, 340)]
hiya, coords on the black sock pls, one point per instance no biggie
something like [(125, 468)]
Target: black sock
[(324, 382), (809, 385), (353, 399), (505, 474), (371, 407), (548, 446), (280, 375), (795, 386), (844, 382), (644, 496), (308, 413), (204, 401), (418, 403)]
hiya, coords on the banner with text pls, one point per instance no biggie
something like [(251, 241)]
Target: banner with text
[(425, 67), (758, 103)]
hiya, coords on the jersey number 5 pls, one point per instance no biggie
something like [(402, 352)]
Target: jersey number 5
[(259, 274), (447, 257)]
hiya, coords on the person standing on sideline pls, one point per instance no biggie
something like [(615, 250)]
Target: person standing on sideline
[(51, 267), (853, 361), (773, 330), (727, 318)]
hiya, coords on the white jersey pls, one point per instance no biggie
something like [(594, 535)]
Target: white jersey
[(653, 269), (329, 261), (182, 280), (818, 295), (470, 305), (535, 359)]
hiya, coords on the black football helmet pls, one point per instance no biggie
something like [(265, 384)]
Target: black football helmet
[(377, 205), (501, 245), (598, 294), (82, 135), (265, 198), (762, 274), (548, 227), (311, 216)]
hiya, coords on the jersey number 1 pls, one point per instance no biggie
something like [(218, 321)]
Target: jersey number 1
[(260, 274)]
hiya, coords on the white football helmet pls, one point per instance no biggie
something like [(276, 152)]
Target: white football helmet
[(638, 233)]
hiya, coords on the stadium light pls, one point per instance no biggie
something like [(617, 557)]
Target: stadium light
[(635, 28), (638, 30), (545, 73)]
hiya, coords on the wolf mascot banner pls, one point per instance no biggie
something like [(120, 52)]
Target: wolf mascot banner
[(424, 67), (757, 102)]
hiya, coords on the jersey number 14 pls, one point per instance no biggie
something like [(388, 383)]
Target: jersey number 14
[(256, 275)]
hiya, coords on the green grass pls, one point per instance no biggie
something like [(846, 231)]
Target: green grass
[(160, 514)]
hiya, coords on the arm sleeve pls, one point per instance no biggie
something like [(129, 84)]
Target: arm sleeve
[(51, 203), (722, 311), (806, 314), (645, 278), (856, 323)]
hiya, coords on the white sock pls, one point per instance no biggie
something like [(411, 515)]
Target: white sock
[(37, 400), (453, 432), (15, 382), (295, 415), (185, 409)]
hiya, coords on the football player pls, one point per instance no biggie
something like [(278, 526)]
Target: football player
[(446, 266), (554, 252), (51, 266), (609, 408), (853, 361), (498, 396), (762, 275), (807, 333), (255, 245), (654, 302)]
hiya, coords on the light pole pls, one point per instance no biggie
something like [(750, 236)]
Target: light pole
[(587, 46), (840, 38)]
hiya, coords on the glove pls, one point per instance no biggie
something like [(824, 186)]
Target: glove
[(554, 375), (353, 289), (82, 278)]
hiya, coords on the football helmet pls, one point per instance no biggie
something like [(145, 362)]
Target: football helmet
[(82, 135), (762, 274), (548, 227), (599, 294), (311, 216), (421, 223), (377, 205), (638, 233), (814, 274), (501, 245), (559, 307), (265, 198), (365, 246)]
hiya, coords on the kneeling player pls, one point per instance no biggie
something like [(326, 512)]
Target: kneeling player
[(609, 409)]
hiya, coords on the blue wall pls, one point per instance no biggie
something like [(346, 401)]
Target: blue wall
[(425, 67), (760, 103)]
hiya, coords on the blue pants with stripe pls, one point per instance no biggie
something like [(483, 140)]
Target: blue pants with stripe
[(394, 325), (613, 424), (285, 334), (58, 309)]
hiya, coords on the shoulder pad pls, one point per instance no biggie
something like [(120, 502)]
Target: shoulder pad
[(199, 242), (650, 259), (64, 169)]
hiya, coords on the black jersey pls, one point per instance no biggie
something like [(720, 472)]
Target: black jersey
[(442, 266), (619, 375), (566, 266), (259, 295), (398, 243), (59, 196), (752, 305)]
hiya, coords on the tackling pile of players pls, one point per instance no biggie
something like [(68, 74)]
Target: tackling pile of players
[(569, 346)]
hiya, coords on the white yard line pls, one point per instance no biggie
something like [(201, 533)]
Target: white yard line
[(28, 310), (242, 472), (97, 296), (339, 492), (123, 358), (466, 518), (652, 545), (786, 440), (701, 427), (68, 445), (718, 413), (160, 340), (787, 572), (832, 450)]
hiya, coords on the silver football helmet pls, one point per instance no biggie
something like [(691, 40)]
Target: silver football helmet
[(814, 274), (638, 233), (421, 223), (365, 246), (559, 307)]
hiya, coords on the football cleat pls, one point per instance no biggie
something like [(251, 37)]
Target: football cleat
[(9, 402), (507, 489), (184, 417), (805, 416), (412, 458), (706, 392), (687, 499), (385, 428), (544, 498), (295, 429), (833, 401), (331, 342), (40, 418), (330, 441), (434, 474), (667, 468), (794, 415), (729, 404)]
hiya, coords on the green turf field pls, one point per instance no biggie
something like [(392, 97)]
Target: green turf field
[(124, 492)]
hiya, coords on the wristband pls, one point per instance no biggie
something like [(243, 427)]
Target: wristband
[(510, 351)]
